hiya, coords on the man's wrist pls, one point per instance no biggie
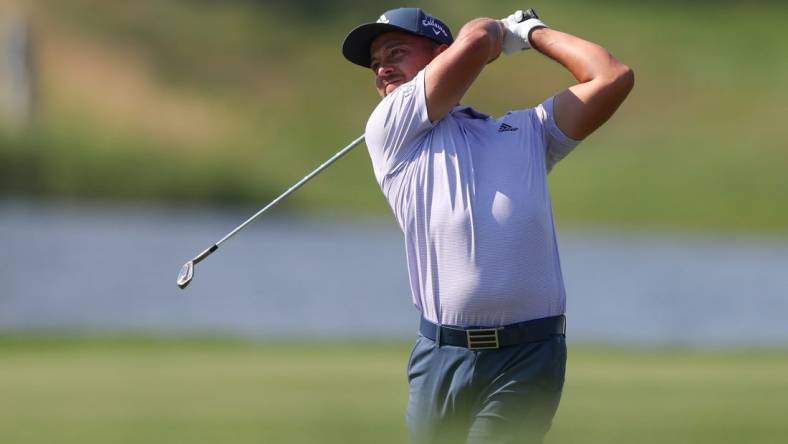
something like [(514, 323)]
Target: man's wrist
[(527, 28), (537, 36)]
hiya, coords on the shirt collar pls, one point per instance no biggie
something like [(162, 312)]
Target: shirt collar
[(467, 111)]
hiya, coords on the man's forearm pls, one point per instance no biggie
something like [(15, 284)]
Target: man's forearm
[(585, 60), (492, 31), (452, 72)]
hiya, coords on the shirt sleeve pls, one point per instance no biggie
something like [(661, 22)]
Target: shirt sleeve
[(557, 144), (397, 127)]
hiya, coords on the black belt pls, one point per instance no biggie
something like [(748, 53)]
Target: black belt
[(498, 337)]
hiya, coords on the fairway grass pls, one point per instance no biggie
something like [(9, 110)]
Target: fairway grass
[(191, 391)]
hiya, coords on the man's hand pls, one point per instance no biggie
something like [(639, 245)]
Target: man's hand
[(518, 30)]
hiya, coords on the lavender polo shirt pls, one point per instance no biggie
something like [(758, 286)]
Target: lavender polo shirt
[(470, 195)]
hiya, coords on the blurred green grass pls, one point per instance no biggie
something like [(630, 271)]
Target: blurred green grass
[(129, 390), (231, 102)]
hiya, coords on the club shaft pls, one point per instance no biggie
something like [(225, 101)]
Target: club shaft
[(298, 185)]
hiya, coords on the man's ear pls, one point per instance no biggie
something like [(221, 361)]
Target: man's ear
[(439, 49)]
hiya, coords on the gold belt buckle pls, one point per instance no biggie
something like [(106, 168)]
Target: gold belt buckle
[(483, 338)]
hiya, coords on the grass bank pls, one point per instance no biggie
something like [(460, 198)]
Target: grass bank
[(233, 101)]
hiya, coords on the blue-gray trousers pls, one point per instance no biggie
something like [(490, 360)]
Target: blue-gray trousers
[(509, 395)]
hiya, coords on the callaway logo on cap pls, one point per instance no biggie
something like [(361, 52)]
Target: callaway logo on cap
[(435, 25), (411, 20)]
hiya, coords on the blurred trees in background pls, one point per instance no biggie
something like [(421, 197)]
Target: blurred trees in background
[(17, 84), (232, 101)]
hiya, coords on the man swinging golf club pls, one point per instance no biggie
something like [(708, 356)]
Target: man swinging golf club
[(470, 194)]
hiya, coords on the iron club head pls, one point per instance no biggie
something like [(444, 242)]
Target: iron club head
[(187, 271), (186, 274)]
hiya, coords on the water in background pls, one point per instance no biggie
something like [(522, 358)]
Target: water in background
[(98, 268)]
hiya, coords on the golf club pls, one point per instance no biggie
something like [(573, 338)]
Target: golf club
[(187, 271)]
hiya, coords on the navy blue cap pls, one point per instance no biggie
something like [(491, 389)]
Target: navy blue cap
[(411, 20)]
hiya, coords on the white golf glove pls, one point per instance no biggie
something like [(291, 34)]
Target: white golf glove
[(518, 28)]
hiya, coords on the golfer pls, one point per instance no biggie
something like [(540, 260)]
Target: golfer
[(469, 192)]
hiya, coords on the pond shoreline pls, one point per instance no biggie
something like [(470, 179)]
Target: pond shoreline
[(106, 270)]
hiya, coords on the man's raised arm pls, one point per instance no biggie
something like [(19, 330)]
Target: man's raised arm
[(604, 82), (451, 73)]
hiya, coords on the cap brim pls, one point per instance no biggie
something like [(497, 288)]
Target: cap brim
[(357, 43)]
